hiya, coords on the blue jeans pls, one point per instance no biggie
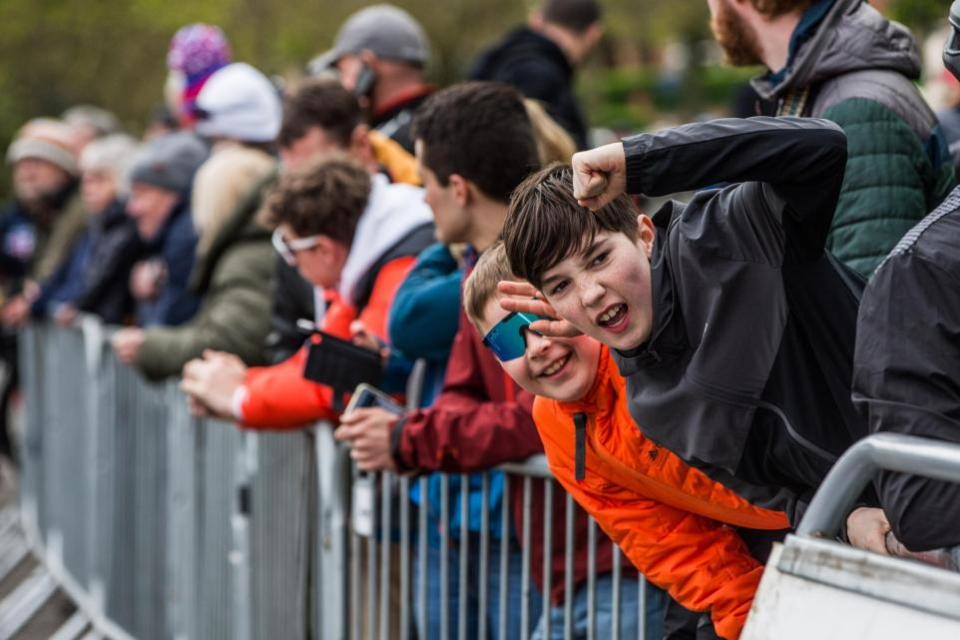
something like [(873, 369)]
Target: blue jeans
[(629, 612), (434, 603)]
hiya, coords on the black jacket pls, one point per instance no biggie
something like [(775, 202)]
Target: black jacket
[(114, 248), (907, 369), (747, 371), (539, 69)]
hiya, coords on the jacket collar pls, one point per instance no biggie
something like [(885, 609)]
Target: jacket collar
[(603, 392), (835, 37), (668, 337)]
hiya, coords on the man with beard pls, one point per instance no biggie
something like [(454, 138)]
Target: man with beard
[(841, 60)]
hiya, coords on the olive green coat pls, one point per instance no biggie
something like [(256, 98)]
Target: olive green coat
[(233, 274)]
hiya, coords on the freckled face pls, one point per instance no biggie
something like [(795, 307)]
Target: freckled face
[(605, 292)]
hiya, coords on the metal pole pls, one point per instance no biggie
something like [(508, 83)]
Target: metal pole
[(484, 558), (464, 551), (883, 451), (525, 571), (504, 559)]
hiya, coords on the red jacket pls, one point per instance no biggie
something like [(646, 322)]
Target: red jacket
[(481, 419), (279, 397)]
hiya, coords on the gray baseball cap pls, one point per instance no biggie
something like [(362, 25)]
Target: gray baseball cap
[(386, 30)]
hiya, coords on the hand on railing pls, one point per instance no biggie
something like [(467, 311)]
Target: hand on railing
[(369, 432), (126, 344), (211, 382)]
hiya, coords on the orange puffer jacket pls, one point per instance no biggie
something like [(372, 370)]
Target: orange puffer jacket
[(669, 518)]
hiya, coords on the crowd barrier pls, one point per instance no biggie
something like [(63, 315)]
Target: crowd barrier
[(162, 525)]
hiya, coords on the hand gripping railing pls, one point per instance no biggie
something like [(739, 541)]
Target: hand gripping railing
[(858, 466)]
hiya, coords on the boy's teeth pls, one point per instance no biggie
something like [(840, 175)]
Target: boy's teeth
[(556, 366)]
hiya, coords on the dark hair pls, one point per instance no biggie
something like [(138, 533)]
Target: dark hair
[(545, 224), (576, 15), (322, 103), (325, 197), (478, 130)]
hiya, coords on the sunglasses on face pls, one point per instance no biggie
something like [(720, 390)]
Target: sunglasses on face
[(288, 248), (507, 339)]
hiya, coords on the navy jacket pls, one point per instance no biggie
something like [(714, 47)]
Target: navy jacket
[(175, 247)]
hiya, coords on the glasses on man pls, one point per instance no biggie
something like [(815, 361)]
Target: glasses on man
[(288, 248), (508, 338)]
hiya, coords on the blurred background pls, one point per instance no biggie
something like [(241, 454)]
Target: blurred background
[(657, 64)]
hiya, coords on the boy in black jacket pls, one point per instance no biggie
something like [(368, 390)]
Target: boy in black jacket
[(732, 324)]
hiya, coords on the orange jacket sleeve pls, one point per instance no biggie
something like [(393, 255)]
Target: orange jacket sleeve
[(279, 397), (703, 564)]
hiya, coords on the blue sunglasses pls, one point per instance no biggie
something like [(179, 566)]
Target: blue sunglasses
[(507, 339)]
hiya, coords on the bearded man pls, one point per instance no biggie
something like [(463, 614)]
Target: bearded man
[(843, 61)]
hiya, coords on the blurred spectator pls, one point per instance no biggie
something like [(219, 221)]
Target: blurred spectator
[(353, 236), (842, 60), (196, 52), (380, 53), (91, 122), (159, 203), (322, 118), (239, 110), (94, 276), (36, 231), (45, 170), (539, 58), (949, 118), (554, 144), (162, 122)]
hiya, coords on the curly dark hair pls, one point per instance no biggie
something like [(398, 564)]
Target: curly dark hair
[(325, 197)]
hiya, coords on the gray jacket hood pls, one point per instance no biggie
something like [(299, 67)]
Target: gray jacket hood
[(853, 36)]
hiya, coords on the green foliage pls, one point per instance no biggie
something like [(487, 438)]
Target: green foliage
[(57, 53), (922, 15)]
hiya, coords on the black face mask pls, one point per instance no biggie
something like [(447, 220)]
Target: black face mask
[(951, 51)]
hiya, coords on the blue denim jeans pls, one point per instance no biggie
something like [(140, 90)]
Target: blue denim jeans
[(434, 603), (629, 612)]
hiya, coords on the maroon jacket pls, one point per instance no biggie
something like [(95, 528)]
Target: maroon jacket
[(482, 419)]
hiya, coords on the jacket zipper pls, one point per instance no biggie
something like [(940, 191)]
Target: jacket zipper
[(795, 435), (580, 445)]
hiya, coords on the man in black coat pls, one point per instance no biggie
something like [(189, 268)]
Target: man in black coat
[(539, 59), (907, 362)]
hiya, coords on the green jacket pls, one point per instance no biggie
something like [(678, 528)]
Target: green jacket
[(851, 65), (233, 275)]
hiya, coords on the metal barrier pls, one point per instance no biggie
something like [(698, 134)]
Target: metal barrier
[(161, 525)]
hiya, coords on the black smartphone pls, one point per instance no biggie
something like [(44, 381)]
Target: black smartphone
[(340, 364)]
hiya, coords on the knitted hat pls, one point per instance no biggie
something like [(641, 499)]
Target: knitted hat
[(101, 121), (169, 162), (198, 50), (47, 139), (387, 31), (239, 103)]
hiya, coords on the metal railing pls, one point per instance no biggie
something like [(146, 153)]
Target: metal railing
[(859, 465), (162, 525)]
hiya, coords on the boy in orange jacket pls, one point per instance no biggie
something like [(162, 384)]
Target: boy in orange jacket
[(670, 519)]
